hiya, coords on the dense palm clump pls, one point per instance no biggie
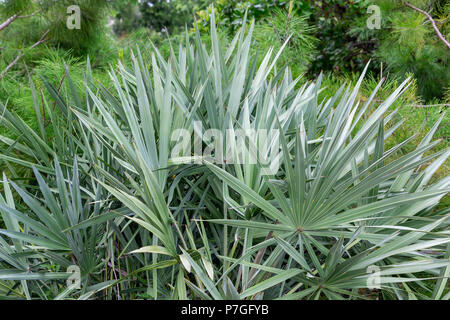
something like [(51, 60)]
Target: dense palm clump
[(342, 217)]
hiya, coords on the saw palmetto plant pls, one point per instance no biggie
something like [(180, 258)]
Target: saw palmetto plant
[(341, 217)]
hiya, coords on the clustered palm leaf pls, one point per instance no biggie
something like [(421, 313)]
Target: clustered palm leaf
[(342, 218)]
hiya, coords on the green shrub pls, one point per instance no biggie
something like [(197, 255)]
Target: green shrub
[(409, 44), (405, 44), (288, 26)]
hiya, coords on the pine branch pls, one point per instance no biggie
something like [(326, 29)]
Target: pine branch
[(9, 21), (432, 22), (21, 54), (430, 105), (14, 18)]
